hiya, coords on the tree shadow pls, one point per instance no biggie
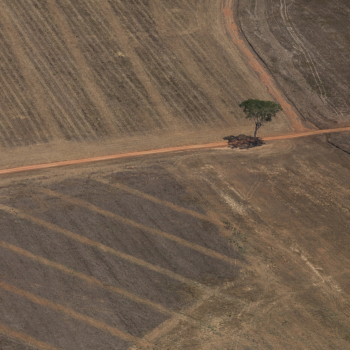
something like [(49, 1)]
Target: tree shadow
[(243, 141)]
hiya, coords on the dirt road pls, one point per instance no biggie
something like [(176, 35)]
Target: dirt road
[(159, 151), (234, 34)]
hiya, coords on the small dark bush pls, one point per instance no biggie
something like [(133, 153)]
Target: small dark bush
[(243, 141)]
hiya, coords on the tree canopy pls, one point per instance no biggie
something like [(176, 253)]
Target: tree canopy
[(260, 111)]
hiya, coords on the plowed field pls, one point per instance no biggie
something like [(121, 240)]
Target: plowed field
[(108, 70), (212, 249)]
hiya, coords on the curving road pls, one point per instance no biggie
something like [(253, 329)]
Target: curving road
[(234, 34)]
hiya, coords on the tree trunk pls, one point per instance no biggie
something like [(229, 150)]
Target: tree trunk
[(256, 130)]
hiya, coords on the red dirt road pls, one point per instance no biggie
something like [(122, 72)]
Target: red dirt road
[(159, 151), (233, 32)]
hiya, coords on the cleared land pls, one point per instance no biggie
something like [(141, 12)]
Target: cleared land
[(209, 249), (304, 45), (212, 249), (340, 140), (118, 75)]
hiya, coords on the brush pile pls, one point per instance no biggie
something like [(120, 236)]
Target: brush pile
[(243, 141)]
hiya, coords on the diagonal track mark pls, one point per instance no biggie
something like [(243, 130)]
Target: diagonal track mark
[(159, 201), (181, 315), (156, 232), (86, 278), (73, 314), (96, 95), (40, 64), (168, 325), (28, 71), (26, 339), (101, 246), (138, 65)]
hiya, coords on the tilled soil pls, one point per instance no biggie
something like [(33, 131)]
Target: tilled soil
[(87, 71), (209, 249)]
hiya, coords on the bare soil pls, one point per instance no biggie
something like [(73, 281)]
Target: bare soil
[(279, 211), (208, 249), (82, 77), (304, 46), (341, 140)]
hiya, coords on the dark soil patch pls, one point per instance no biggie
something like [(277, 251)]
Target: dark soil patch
[(243, 141)]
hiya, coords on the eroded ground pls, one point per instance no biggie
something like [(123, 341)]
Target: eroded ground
[(221, 249)]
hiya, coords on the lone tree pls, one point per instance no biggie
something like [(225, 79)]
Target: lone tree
[(260, 111)]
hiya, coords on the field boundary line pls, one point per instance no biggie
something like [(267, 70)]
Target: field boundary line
[(206, 251), (233, 31), (159, 201), (220, 144), (86, 278), (74, 314), (171, 323), (26, 339), (102, 247)]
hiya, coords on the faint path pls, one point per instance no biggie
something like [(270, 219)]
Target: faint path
[(220, 144), (233, 31), (100, 246), (300, 46)]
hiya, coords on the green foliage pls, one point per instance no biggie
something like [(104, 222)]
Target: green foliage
[(263, 110), (260, 111)]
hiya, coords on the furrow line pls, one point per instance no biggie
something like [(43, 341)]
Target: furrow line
[(49, 81), (193, 246), (102, 247), (29, 77), (96, 96), (67, 104), (73, 314)]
